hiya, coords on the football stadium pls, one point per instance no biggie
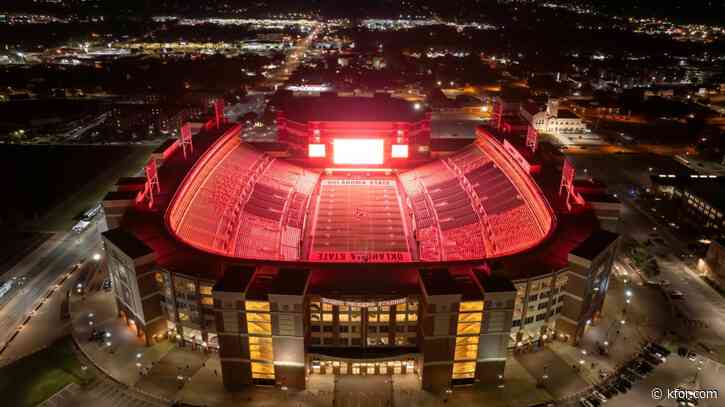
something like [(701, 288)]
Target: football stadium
[(357, 244)]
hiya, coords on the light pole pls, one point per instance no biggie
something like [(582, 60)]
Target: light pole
[(544, 377)]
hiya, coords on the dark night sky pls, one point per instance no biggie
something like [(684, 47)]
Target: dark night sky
[(711, 11)]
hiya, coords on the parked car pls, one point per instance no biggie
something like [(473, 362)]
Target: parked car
[(651, 359), (599, 396), (612, 389), (636, 372), (656, 353), (687, 403), (661, 349), (628, 379), (676, 294)]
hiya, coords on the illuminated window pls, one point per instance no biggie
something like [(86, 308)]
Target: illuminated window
[(261, 348), (412, 316), (183, 316), (327, 307), (466, 348), (384, 317), (355, 314), (207, 300), (327, 317), (205, 290), (344, 317), (469, 317), (468, 328), (259, 323), (464, 370), (471, 306), (262, 371), (400, 317), (257, 306), (258, 317)]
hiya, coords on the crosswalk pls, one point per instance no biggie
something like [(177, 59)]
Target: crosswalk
[(107, 393), (62, 398), (102, 393)]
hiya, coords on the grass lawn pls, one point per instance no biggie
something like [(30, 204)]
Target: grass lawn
[(33, 379)]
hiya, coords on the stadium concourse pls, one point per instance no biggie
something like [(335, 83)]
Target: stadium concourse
[(293, 259)]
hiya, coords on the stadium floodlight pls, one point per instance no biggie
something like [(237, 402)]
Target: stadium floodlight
[(399, 151)]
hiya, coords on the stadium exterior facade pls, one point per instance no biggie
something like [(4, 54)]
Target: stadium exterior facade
[(290, 265)]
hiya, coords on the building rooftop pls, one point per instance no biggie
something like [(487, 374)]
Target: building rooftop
[(712, 191), (599, 197), (594, 244), (360, 279), (445, 281), (290, 281), (334, 108), (494, 284), (235, 279), (127, 242), (566, 114), (120, 195), (131, 181)]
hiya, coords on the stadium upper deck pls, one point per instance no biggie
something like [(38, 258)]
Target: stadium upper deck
[(240, 203)]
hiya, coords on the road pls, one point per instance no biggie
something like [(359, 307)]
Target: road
[(43, 269), (292, 61), (702, 307), (76, 133)]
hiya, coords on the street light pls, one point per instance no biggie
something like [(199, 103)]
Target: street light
[(96, 256)]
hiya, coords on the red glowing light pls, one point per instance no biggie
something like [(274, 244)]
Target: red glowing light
[(399, 151), (316, 150)]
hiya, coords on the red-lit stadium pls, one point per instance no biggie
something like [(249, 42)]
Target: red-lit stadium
[(357, 244)]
